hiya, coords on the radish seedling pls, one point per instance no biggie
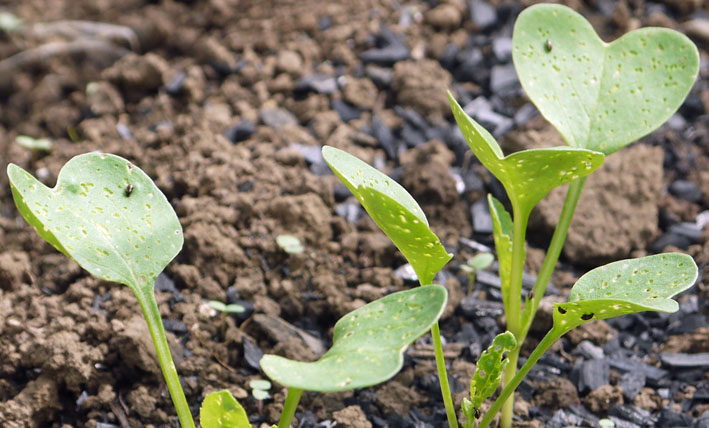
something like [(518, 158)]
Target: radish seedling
[(475, 264), (222, 307), (290, 244), (109, 217), (600, 97), (616, 289)]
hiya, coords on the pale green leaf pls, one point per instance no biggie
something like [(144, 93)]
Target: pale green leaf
[(221, 410), (601, 96), (394, 210), (528, 175), (368, 343), (106, 214), (625, 287)]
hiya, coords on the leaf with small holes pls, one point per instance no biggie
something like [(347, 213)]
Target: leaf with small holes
[(502, 232), (104, 213), (530, 174), (625, 287), (601, 96), (221, 410), (489, 369), (394, 210), (368, 343)]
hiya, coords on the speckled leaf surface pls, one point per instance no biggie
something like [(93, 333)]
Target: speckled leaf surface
[(625, 287), (394, 210), (221, 410), (502, 232), (489, 368), (601, 96), (530, 174), (106, 214), (368, 343)]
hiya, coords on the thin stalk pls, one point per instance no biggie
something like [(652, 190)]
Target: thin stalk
[(443, 376), (289, 407), (506, 393), (514, 314), (149, 306), (552, 256)]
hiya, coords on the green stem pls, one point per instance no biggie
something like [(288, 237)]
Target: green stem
[(514, 312), (443, 376), (149, 306), (289, 407), (506, 393), (552, 255)]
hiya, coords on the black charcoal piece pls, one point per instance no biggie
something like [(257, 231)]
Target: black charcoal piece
[(631, 383)]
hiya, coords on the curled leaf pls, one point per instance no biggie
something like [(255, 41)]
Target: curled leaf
[(625, 287), (489, 369), (368, 343), (394, 210), (530, 174)]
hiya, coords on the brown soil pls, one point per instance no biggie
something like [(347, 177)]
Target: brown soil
[(75, 352)]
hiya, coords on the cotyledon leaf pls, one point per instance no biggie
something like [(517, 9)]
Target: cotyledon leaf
[(601, 96), (394, 210), (527, 175), (221, 410), (106, 214), (368, 343), (625, 287), (502, 229), (489, 368)]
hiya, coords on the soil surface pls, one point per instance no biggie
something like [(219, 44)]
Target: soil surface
[(225, 104)]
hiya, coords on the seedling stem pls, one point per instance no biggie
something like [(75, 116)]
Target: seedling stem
[(289, 407), (149, 306)]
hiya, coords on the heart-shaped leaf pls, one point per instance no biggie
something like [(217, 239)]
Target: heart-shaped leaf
[(221, 410), (106, 214), (394, 210), (489, 369), (601, 96), (368, 343), (625, 287), (530, 174), (502, 229)]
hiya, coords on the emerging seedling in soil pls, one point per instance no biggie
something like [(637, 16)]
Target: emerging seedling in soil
[(600, 97), (222, 307), (290, 244), (108, 215), (478, 262)]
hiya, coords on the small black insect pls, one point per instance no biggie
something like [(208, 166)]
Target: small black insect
[(548, 46), (562, 311), (530, 295), (477, 413), (129, 190), (587, 317)]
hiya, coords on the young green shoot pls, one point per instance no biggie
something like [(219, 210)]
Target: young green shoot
[(401, 218), (259, 390), (35, 145), (222, 307), (290, 244), (108, 215), (478, 262)]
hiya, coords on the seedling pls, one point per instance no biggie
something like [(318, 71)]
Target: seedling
[(600, 97), (119, 236), (109, 217), (290, 244), (35, 145), (259, 390), (475, 264), (222, 307)]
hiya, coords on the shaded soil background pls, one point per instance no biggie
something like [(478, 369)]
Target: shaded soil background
[(226, 103)]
